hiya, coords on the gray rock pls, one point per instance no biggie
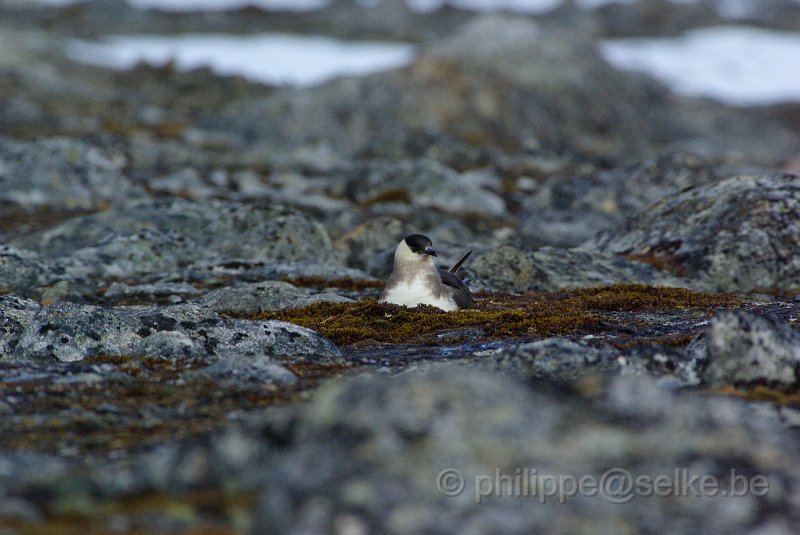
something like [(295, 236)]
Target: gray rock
[(738, 234), (402, 436), (557, 359), (119, 291), (370, 246), (186, 183), (71, 332), (138, 241), (507, 269), (194, 229), (61, 173), (21, 271), (569, 206), (426, 184), (17, 313), (742, 349), (259, 297), (254, 368), (519, 84), (566, 361)]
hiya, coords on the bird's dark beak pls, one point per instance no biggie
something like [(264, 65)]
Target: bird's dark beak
[(430, 251)]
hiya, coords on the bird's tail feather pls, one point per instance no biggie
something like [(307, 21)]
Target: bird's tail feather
[(457, 265)]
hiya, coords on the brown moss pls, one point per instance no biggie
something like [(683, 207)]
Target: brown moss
[(641, 298), (207, 511), (663, 262), (98, 417), (389, 195), (760, 393), (534, 314)]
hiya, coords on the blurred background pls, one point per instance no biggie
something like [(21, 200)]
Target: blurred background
[(296, 101)]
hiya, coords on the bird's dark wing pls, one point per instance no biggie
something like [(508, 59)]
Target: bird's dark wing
[(461, 293), (457, 265)]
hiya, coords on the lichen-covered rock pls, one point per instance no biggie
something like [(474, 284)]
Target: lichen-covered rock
[(566, 361), (557, 359), (194, 229), (439, 439), (569, 206), (507, 269), (61, 173), (16, 313), (518, 84), (20, 271), (120, 292), (738, 234), (426, 184), (258, 297), (741, 349), (171, 240), (244, 368), (370, 246), (71, 332)]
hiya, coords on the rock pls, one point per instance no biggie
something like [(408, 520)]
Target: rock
[(519, 84), (744, 350), (196, 229), (119, 292), (568, 362), (71, 332), (370, 246), (254, 368), (144, 239), (17, 314), (250, 299), (61, 173), (20, 271), (507, 269), (569, 206), (557, 359), (441, 440), (738, 234), (185, 183), (426, 184)]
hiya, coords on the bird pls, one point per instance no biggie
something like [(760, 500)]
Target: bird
[(415, 280)]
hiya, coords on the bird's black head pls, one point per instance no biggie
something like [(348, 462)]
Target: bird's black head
[(420, 244)]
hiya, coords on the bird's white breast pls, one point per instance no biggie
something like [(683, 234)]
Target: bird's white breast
[(417, 292)]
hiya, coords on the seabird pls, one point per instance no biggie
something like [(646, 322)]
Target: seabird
[(415, 280)]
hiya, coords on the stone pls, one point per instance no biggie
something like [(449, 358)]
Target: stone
[(70, 332), (250, 299), (508, 269), (737, 234), (744, 350)]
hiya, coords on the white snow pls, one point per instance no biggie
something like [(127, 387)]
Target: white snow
[(268, 58), (734, 64)]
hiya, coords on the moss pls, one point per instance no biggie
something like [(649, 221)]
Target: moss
[(641, 298), (207, 511), (760, 393), (533, 314), (389, 195), (98, 417)]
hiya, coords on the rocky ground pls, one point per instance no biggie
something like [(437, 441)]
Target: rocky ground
[(190, 341)]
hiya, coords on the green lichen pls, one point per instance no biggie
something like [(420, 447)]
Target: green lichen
[(530, 315)]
